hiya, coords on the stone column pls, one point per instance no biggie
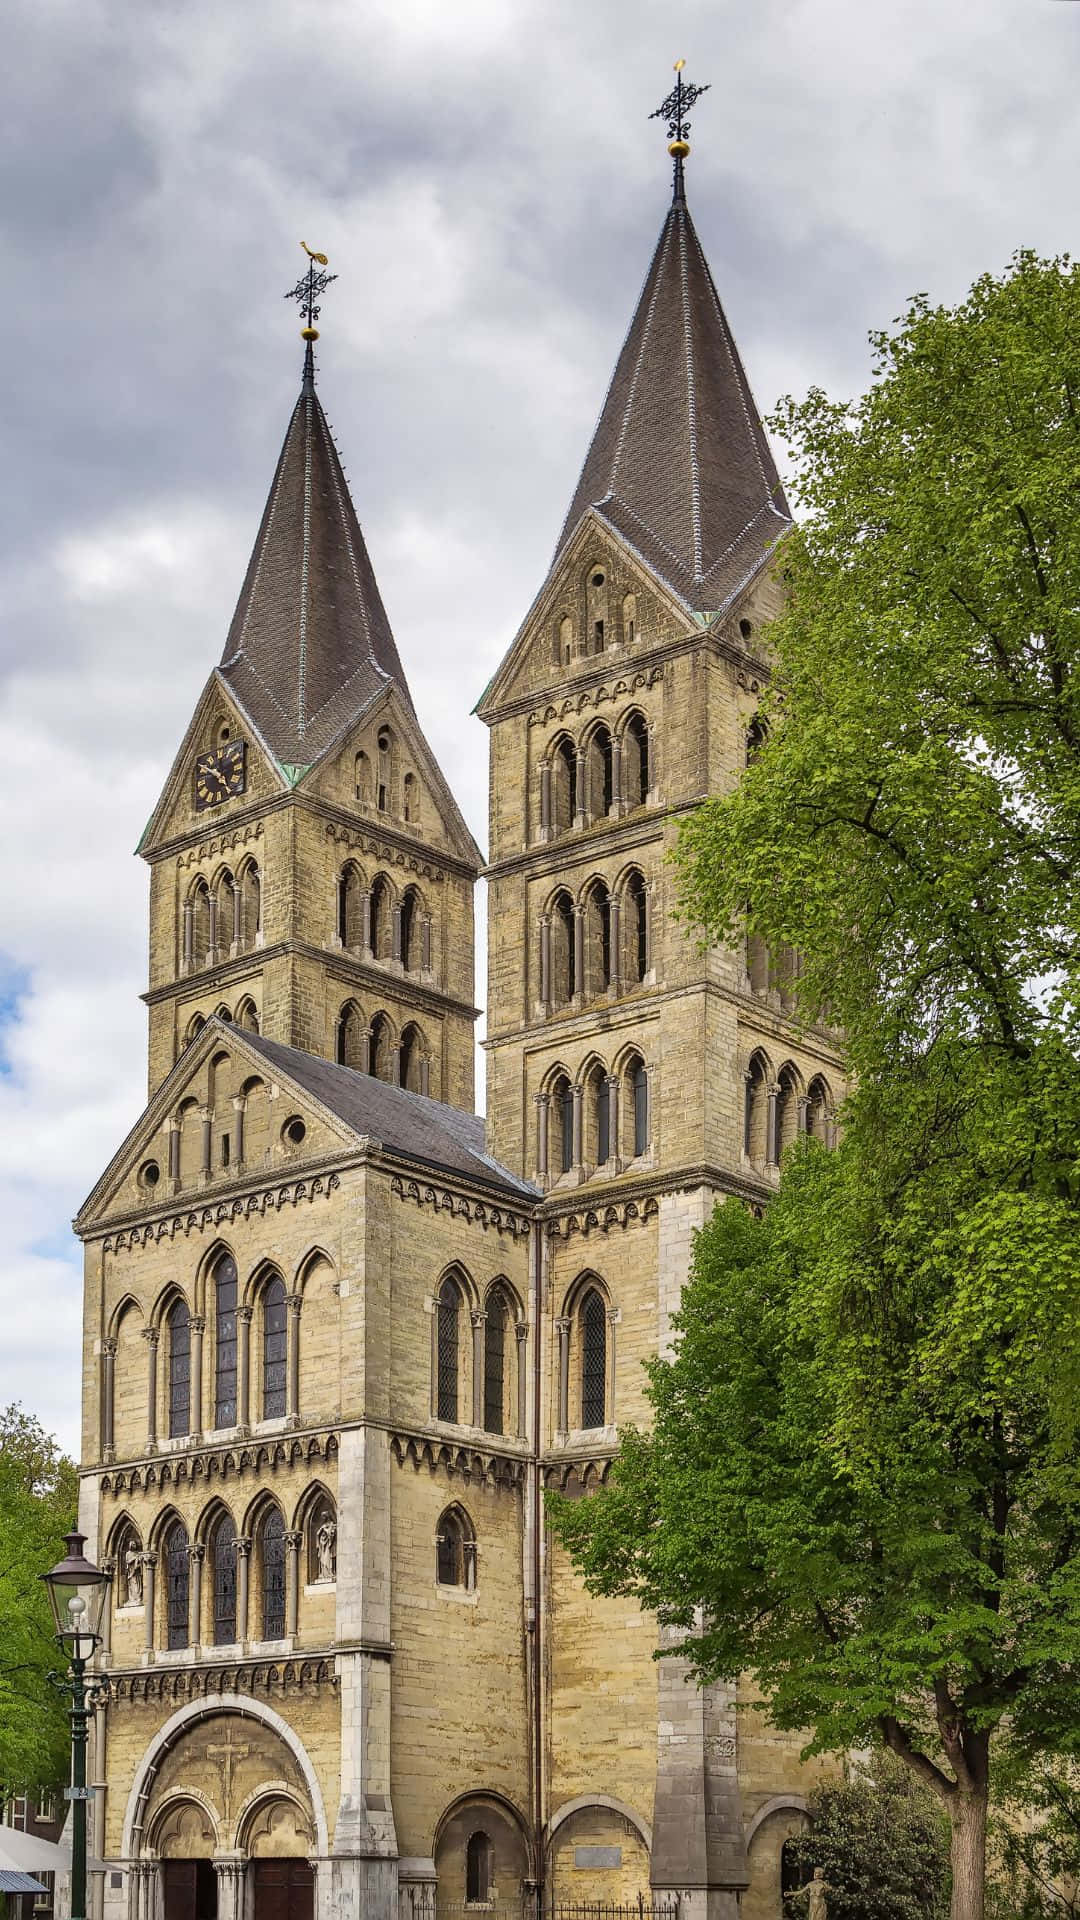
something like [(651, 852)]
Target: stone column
[(580, 815), (579, 1103), (654, 758), (542, 1108), (615, 945), (108, 1400), (698, 1848), (365, 922), (230, 1888), (197, 1324), (545, 799), (804, 1114), (521, 1334), (772, 1142), (239, 1104), (613, 1122), (432, 1308), (748, 1112), (206, 1124), (425, 943), (149, 1561), (189, 935), (196, 1555), (237, 917), (244, 1316), (545, 961), (213, 953), (365, 1051), (425, 1074), (479, 1322), (562, 1328), (616, 806), (648, 928), (579, 955), (293, 1543), (172, 1130), (613, 1321), (150, 1335), (395, 933), (108, 1566), (243, 1565), (292, 1378)]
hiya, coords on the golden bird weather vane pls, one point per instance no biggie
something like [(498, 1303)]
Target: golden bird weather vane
[(309, 289)]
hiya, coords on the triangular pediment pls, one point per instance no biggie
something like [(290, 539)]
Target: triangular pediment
[(216, 1069), (177, 813)]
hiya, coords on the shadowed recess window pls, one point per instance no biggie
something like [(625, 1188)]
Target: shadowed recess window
[(275, 1344), (273, 1575), (603, 1120), (479, 1867), (593, 1360), (225, 1374), (447, 1359), (223, 1562), (640, 1082), (177, 1575), (494, 1362), (455, 1550), (179, 1325)]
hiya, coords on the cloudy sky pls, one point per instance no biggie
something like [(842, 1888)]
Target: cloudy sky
[(485, 178)]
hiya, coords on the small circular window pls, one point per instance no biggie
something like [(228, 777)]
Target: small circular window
[(149, 1174), (294, 1132), (597, 580)]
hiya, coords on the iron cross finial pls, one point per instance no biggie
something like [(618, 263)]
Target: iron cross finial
[(309, 288), (674, 110)]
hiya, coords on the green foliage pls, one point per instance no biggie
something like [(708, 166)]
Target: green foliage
[(1037, 1843), (882, 1845), (38, 1499)]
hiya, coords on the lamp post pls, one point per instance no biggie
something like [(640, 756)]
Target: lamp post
[(78, 1592)]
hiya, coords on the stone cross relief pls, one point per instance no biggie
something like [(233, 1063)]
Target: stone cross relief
[(228, 1753)]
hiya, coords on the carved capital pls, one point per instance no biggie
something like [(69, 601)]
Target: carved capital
[(151, 1335), (243, 1547)]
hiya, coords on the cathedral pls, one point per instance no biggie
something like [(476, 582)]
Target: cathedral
[(341, 1333)]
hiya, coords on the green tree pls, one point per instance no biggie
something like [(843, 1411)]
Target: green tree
[(864, 1466), (38, 1499), (882, 1846)]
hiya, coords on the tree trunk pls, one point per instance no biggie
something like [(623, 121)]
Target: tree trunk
[(967, 1810)]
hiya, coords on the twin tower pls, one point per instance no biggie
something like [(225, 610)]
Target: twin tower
[(341, 1333)]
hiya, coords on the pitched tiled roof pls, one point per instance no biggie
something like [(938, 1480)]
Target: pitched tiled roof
[(310, 644), (423, 1129), (679, 463)]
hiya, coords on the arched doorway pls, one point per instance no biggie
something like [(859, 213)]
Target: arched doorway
[(481, 1856), (277, 1837)]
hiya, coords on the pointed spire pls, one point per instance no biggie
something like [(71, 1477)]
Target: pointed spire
[(679, 464), (310, 644)]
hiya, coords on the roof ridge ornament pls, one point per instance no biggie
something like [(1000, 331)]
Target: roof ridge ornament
[(674, 110), (310, 288)]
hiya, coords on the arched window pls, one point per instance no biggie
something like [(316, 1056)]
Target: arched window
[(410, 930), (349, 888), (629, 619), (194, 1028), (564, 641), (382, 933), (787, 1109), (247, 1015), (128, 1555), (321, 1542), (564, 786), (178, 1327), (479, 1869), (449, 1314), (593, 1323), (362, 778), (496, 1322), (200, 925), (636, 779), (635, 1106), (597, 939), (636, 930), (272, 1558), (562, 1117), (596, 602), (382, 1050), (223, 1580), (563, 955), (177, 1563), (756, 735), (383, 783), (597, 1116), (818, 1105), (350, 1037), (756, 1142), (250, 906), (275, 1319), (410, 1058), (409, 804), (600, 774), (455, 1550), (225, 1342)]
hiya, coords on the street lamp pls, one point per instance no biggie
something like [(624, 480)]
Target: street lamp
[(78, 1592)]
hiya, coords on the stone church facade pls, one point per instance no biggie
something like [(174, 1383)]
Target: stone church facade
[(341, 1333)]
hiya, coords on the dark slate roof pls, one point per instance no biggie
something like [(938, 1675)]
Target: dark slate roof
[(424, 1129), (679, 463), (310, 644)]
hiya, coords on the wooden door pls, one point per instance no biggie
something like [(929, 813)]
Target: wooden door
[(284, 1890), (190, 1889)]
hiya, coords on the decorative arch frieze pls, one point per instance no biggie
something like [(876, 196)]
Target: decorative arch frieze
[(224, 1463), (198, 1219), (456, 1204), (470, 1464), (350, 840)]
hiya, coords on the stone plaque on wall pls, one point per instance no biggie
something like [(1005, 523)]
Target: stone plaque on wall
[(593, 1857)]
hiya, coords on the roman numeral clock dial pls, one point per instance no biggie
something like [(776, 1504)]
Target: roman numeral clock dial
[(219, 775)]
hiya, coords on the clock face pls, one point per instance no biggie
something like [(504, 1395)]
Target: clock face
[(219, 775)]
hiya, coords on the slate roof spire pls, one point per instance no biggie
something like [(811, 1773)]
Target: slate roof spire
[(310, 645), (679, 464)]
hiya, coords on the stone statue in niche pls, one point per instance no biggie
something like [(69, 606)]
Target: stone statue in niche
[(133, 1576), (326, 1549)]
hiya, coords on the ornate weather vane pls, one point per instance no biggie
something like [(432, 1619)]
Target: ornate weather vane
[(309, 288), (674, 110)]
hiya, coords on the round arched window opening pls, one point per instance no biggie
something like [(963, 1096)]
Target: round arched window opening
[(294, 1131), (745, 629), (149, 1174), (597, 580)]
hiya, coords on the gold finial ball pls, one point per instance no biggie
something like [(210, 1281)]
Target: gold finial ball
[(679, 149), (309, 333)]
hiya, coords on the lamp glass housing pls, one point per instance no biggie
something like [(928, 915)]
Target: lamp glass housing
[(77, 1578)]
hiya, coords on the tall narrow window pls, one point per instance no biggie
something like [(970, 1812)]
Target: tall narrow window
[(479, 1865), (455, 1550), (564, 773), (382, 796), (225, 1367), (640, 1088), (636, 945), (564, 956), (275, 1343), (408, 929), (223, 1569), (179, 1326), (636, 779), (447, 1355), (177, 1589), (603, 1119), (494, 1362), (273, 1575), (380, 917), (593, 1360)]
